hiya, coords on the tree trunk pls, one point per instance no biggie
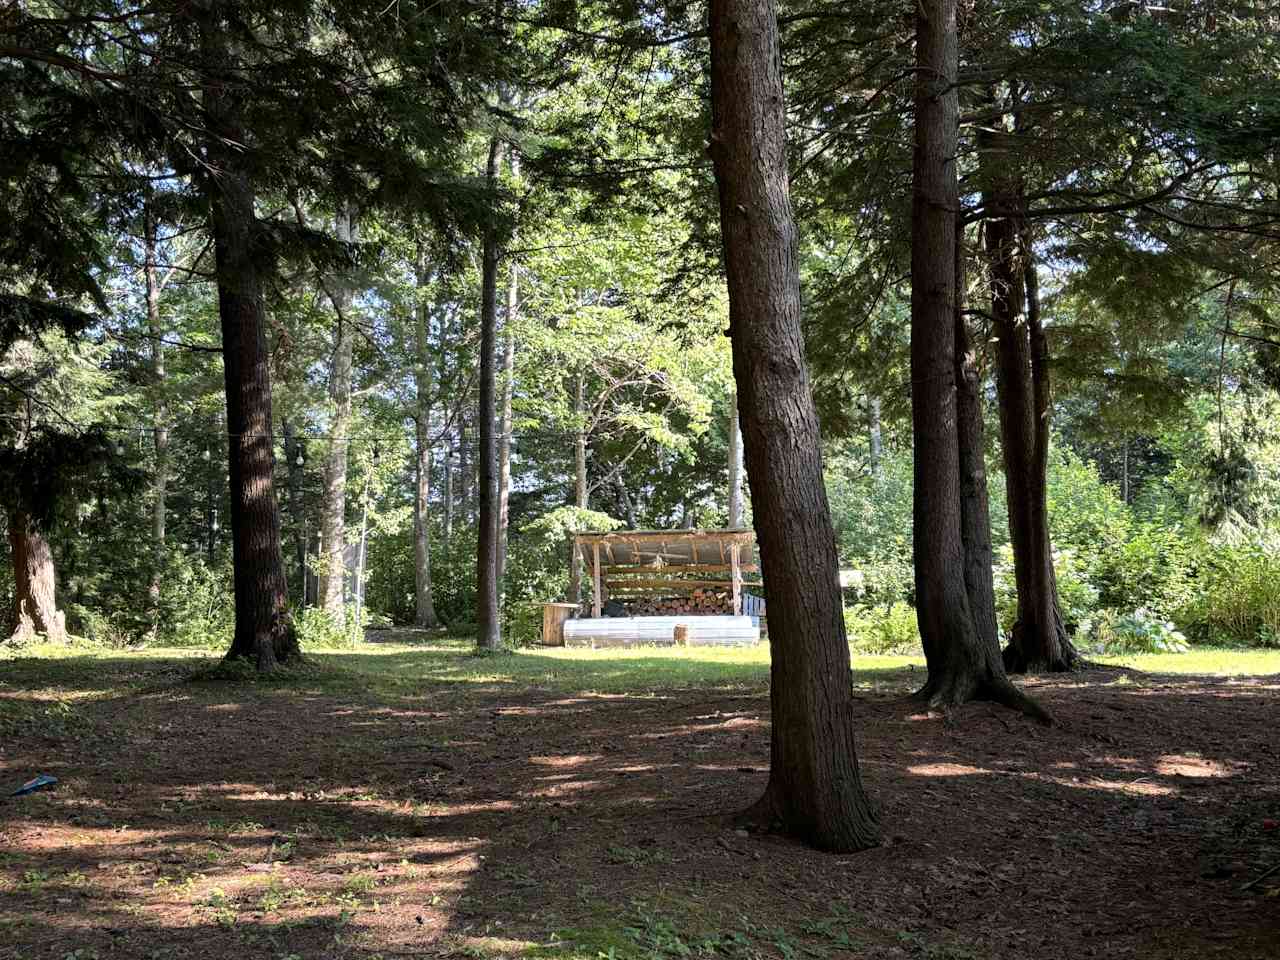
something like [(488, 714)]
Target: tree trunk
[(579, 480), (462, 486), (447, 469), (160, 430), (264, 631), (293, 473), (1039, 642), (1124, 468), (735, 466), (814, 790), (975, 508), (625, 504), (446, 494), (489, 635), (874, 444), (35, 608), (333, 504), (508, 390), (962, 664), (424, 603)]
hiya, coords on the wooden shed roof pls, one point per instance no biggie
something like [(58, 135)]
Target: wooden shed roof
[(660, 548)]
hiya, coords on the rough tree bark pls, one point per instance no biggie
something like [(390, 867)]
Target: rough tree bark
[(333, 503), (424, 602), (489, 627), (264, 630), (1039, 642), (508, 390), (735, 466), (814, 790), (35, 608), (963, 665), (975, 507)]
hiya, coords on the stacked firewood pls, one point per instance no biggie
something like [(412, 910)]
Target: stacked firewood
[(708, 600)]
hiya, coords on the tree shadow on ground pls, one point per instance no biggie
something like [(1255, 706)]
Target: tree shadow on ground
[(473, 815)]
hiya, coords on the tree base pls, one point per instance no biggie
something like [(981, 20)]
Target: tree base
[(1019, 660), (853, 828), (26, 630), (280, 649), (955, 689)]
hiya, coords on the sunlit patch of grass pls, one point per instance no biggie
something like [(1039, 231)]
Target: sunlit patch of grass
[(1212, 661), (634, 671), (55, 681)]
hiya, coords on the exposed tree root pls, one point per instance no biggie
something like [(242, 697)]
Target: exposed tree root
[(1029, 652), (957, 689), (1016, 660)]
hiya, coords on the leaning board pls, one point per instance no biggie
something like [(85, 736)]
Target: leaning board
[(631, 631)]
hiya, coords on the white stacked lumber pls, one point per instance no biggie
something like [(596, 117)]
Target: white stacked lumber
[(632, 631)]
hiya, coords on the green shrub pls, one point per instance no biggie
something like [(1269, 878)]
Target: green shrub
[(1138, 632), (390, 583), (1151, 569), (103, 629), (319, 629), (872, 518), (538, 568), (1236, 597), (197, 608), (886, 628), (1077, 597), (1086, 513)]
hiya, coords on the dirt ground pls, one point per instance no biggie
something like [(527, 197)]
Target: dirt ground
[(208, 820)]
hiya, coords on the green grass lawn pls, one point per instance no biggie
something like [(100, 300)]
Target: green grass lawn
[(1215, 661), (392, 666)]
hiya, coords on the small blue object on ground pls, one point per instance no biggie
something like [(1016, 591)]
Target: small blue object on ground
[(31, 786)]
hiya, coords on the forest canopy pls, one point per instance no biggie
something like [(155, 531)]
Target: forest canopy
[(404, 198)]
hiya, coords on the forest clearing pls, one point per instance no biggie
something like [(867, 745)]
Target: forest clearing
[(639, 481), (410, 799)]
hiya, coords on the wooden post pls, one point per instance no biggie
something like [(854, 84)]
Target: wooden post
[(553, 617), (736, 569), (595, 580)]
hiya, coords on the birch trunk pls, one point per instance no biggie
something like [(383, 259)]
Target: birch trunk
[(293, 475), (424, 603), (735, 466), (876, 451), (579, 481), (333, 505)]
